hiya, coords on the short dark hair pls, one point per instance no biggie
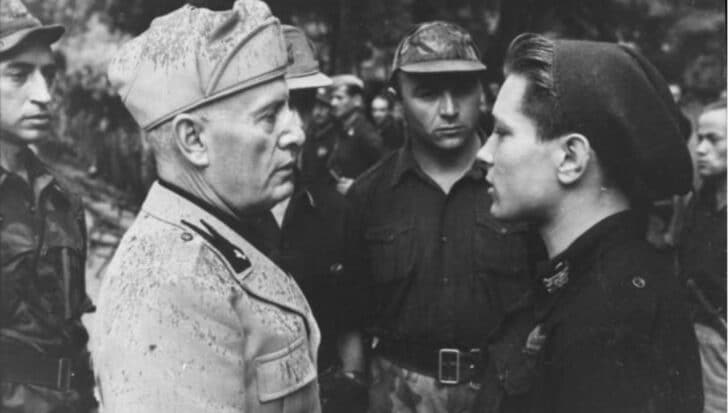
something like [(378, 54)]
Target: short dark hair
[(532, 56)]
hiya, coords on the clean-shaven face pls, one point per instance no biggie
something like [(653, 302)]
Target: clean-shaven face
[(441, 109), (711, 149), (25, 95), (521, 167), (253, 145)]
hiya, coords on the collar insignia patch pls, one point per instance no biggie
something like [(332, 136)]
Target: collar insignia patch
[(559, 279), (232, 253)]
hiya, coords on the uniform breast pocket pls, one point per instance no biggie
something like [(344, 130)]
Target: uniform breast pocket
[(501, 259), (282, 372), (391, 252)]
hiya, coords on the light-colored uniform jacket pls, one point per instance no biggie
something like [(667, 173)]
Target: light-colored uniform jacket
[(192, 318)]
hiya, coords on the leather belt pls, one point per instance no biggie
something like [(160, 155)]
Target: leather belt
[(449, 365), (41, 370)]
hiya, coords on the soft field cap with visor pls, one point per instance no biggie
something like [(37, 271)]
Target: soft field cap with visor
[(303, 68), (435, 47), (17, 25), (194, 56)]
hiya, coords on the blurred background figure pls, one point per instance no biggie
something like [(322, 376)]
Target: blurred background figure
[(359, 146), (304, 235), (702, 253), (390, 128), (321, 134)]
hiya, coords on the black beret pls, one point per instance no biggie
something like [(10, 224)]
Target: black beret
[(621, 103)]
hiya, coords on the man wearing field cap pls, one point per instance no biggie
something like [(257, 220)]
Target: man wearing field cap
[(194, 318), (441, 270), (44, 364), (359, 145), (586, 133)]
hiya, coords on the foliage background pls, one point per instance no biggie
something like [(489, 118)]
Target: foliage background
[(686, 39)]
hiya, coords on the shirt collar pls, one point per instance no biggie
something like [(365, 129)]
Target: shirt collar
[(38, 174), (405, 162), (582, 253)]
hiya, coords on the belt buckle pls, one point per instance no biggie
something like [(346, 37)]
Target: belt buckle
[(448, 361), (64, 373)]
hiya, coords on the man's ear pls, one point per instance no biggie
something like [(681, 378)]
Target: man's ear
[(575, 153), (188, 136)]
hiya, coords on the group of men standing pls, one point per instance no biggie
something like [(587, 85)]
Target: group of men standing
[(460, 273)]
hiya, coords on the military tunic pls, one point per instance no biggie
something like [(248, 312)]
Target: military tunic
[(617, 333), (194, 319), (42, 252)]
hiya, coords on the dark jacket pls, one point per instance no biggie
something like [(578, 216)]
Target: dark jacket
[(618, 335), (702, 258), (440, 270), (42, 254), (358, 147)]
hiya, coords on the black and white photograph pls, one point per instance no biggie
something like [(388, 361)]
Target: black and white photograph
[(379, 206)]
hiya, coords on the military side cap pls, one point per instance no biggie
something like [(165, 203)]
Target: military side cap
[(18, 24), (620, 102), (303, 68), (194, 56), (437, 46), (347, 80)]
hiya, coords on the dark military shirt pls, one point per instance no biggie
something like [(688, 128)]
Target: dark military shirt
[(702, 254), (440, 268), (42, 252), (618, 336), (310, 246), (42, 288), (358, 147)]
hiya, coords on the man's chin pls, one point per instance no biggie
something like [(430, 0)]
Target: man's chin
[(282, 191), (24, 137)]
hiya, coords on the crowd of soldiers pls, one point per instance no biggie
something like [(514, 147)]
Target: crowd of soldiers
[(282, 262)]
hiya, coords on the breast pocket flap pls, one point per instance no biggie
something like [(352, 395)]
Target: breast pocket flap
[(284, 371)]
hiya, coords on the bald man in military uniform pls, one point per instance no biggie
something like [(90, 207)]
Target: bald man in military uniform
[(193, 318)]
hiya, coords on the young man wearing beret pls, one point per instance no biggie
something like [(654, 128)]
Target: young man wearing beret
[(585, 133), (441, 271), (44, 364), (193, 318)]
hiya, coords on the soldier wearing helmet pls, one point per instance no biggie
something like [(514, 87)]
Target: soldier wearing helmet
[(441, 271)]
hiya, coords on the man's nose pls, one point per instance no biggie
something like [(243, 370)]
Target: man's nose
[(448, 105), (38, 88), (702, 147), (293, 135), (485, 153)]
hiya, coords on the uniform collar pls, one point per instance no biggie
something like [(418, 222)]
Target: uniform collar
[(565, 272), (406, 163), (583, 252), (224, 217), (351, 119), (38, 174)]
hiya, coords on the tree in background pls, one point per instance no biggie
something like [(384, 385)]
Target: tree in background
[(684, 38)]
